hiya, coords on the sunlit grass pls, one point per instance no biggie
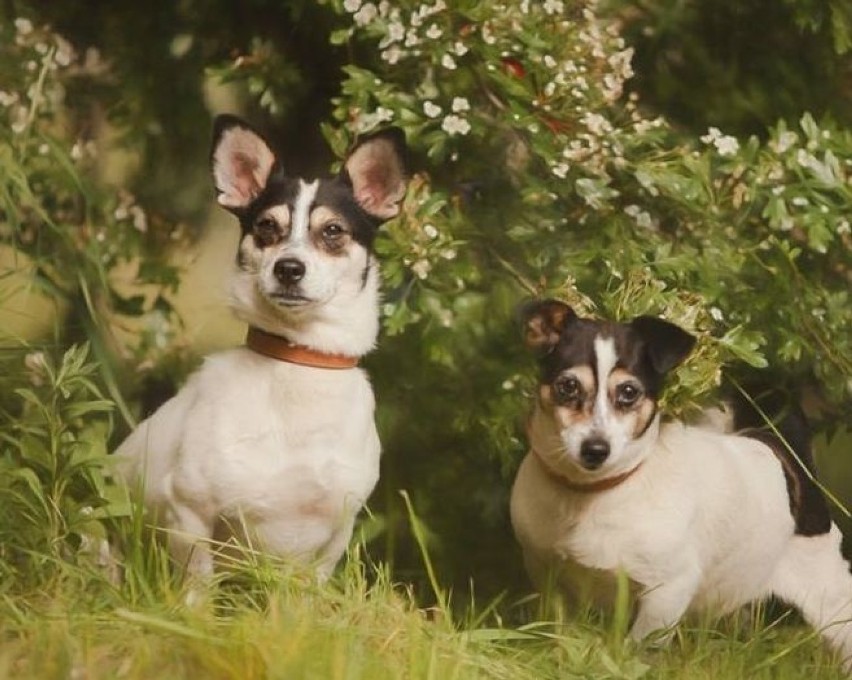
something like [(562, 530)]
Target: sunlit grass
[(266, 620)]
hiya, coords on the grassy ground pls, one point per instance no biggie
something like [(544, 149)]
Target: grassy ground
[(266, 622)]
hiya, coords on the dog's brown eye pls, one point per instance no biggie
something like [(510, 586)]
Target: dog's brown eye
[(627, 394), (333, 231), (266, 230), (566, 389)]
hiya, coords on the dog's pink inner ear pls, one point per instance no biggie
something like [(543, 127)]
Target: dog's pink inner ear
[(378, 177), (242, 163)]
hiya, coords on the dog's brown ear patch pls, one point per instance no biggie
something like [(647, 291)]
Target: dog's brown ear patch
[(241, 161), (376, 169), (544, 322)]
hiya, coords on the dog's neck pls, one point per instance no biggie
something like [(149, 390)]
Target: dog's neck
[(348, 324)]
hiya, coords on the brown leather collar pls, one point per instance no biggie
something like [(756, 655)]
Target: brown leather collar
[(276, 347), (588, 487)]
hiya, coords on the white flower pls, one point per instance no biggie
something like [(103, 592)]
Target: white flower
[(384, 114), (554, 6), (843, 227), (716, 313), (366, 14), (396, 32), (36, 363), (560, 170), (800, 201), (725, 144), (65, 52), (460, 104), (448, 62), (448, 254), (411, 38), (7, 99), (140, 221), (549, 61), (712, 135), (23, 26), (455, 125), (392, 54), (430, 231), (431, 109), (597, 124), (487, 35), (434, 32), (351, 6), (421, 268)]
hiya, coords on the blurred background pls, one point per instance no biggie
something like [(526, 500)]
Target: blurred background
[(688, 158)]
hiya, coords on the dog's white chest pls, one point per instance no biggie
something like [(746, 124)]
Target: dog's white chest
[(288, 451), (281, 435)]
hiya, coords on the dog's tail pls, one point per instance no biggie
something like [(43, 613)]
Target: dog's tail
[(779, 422)]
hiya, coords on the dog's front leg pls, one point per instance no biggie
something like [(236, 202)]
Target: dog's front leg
[(190, 533), (332, 551), (663, 605)]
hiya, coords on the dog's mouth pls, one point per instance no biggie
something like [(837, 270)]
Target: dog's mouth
[(289, 299)]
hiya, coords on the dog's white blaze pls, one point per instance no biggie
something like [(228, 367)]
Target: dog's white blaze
[(606, 361), (302, 211)]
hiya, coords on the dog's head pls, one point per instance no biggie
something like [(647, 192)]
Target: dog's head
[(600, 382), (304, 243)]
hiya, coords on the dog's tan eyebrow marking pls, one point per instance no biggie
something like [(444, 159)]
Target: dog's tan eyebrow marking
[(322, 215), (279, 213)]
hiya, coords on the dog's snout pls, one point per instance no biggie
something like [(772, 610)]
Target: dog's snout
[(593, 452), (289, 270)]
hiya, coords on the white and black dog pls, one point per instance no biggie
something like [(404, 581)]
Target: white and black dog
[(697, 519), (278, 437)]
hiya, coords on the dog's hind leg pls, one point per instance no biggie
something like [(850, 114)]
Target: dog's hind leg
[(814, 577)]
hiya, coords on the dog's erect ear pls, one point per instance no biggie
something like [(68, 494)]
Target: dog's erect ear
[(241, 161), (667, 345), (376, 169), (544, 322)]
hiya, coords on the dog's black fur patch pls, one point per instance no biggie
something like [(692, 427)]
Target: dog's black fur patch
[(635, 348), (807, 502)]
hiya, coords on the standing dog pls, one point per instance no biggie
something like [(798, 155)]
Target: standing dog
[(278, 437), (696, 519)]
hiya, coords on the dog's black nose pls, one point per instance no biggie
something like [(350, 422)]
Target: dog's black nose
[(289, 270), (593, 452)]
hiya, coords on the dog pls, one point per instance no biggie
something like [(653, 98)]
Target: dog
[(696, 519), (275, 442)]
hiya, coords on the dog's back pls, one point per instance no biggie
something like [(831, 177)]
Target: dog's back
[(779, 422)]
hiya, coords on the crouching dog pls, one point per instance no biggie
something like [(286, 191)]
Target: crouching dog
[(274, 443), (697, 519)]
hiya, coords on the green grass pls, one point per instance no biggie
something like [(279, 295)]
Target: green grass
[(63, 616), (267, 621)]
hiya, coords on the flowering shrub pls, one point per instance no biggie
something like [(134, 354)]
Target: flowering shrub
[(72, 229), (541, 174)]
